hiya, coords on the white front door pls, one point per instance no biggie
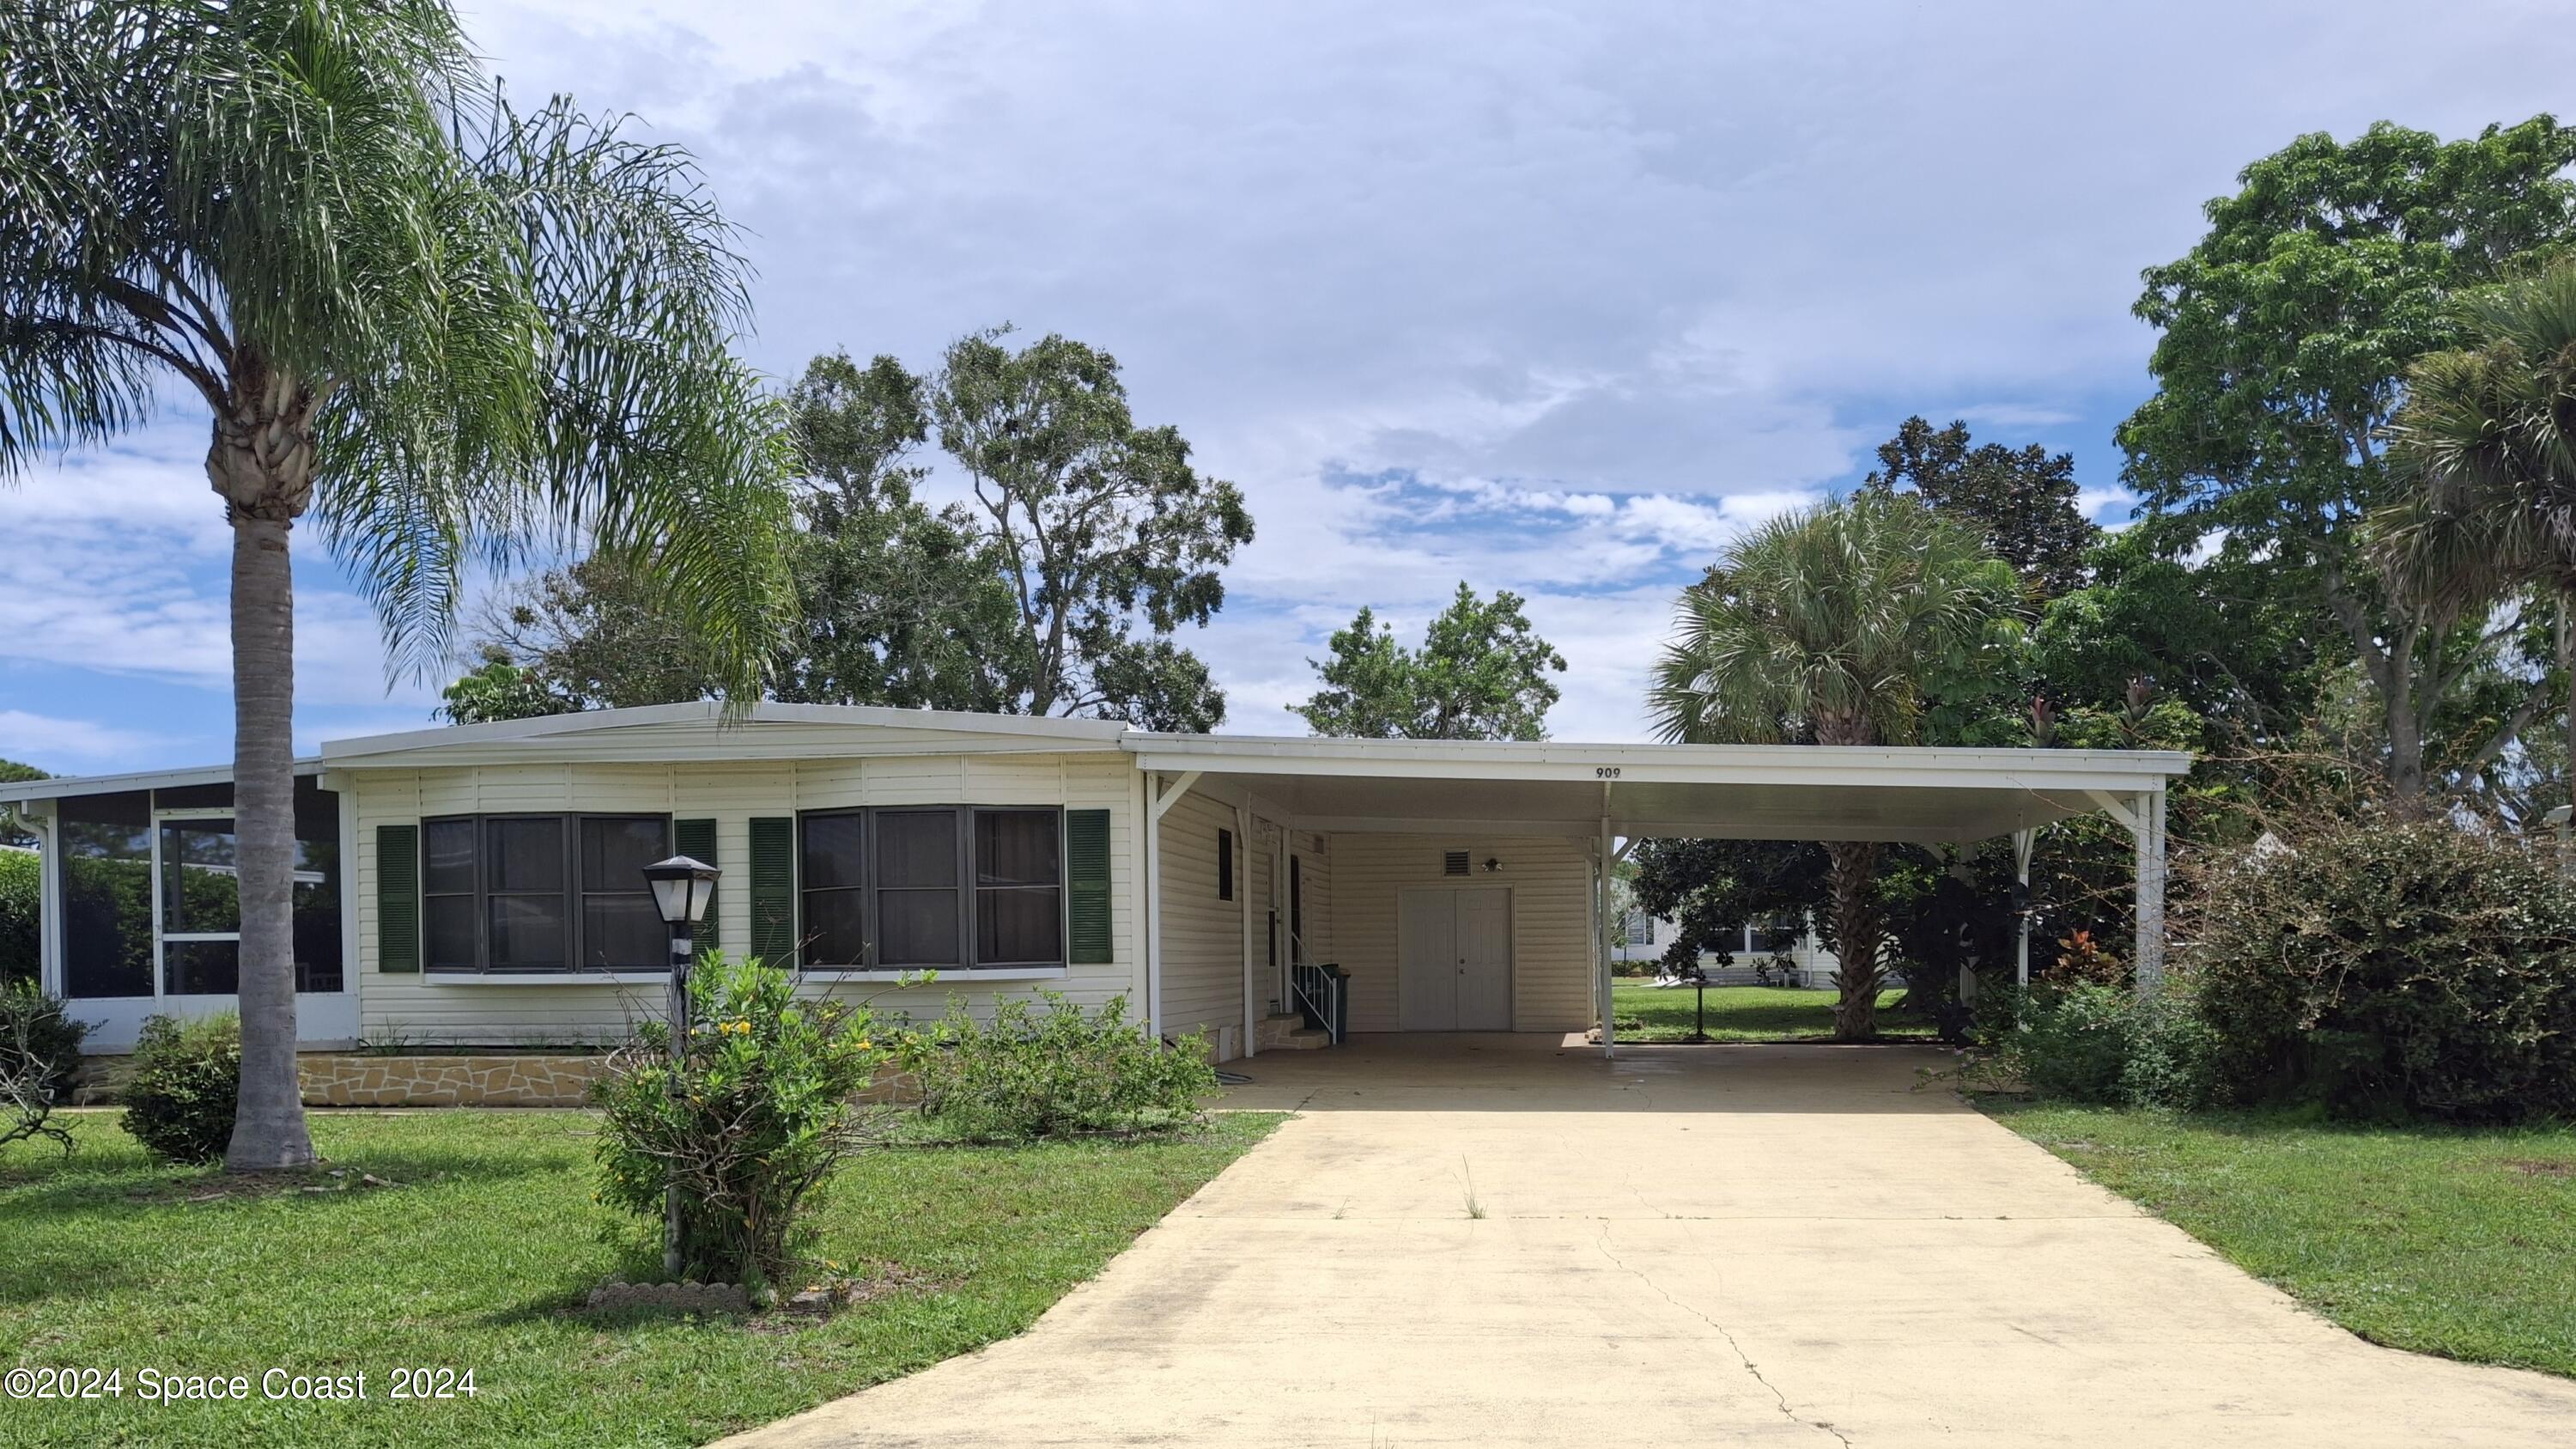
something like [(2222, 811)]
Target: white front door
[(1454, 959)]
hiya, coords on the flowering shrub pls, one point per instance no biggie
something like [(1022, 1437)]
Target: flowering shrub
[(1055, 1073), (748, 1123)]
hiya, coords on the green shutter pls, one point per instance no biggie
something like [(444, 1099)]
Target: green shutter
[(773, 889), (1086, 877), (696, 839), (398, 898)]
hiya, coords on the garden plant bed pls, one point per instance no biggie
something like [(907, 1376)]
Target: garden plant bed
[(2440, 1240), (1658, 1014), (475, 1259)]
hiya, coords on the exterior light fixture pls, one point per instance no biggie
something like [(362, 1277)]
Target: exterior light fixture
[(682, 889)]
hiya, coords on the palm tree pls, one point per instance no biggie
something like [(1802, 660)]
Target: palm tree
[(2487, 441), (450, 333), (1825, 627)]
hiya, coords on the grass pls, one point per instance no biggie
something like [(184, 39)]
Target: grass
[(474, 1258), (2439, 1240), (1747, 1013)]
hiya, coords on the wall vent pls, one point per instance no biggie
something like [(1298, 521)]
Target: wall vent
[(1454, 863)]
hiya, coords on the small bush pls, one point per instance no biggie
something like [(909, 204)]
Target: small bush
[(748, 1123), (185, 1084), (21, 889), (36, 1034), (1055, 1073), (2086, 1041), (2377, 968), (39, 1048)]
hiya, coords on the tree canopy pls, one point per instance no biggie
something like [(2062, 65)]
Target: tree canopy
[(2021, 501), (2286, 334), (1087, 543), (1481, 674)]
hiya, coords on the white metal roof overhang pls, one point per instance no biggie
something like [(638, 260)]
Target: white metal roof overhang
[(1739, 792)]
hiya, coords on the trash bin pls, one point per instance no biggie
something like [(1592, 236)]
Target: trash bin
[(1341, 999)]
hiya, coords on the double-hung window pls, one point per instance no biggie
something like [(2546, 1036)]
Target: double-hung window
[(942, 887), (516, 894)]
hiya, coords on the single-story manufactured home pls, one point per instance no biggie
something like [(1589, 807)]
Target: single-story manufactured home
[(480, 885)]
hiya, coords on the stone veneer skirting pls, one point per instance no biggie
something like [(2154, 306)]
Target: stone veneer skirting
[(522, 1079)]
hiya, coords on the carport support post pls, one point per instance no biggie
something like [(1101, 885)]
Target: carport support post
[(1602, 948), (2149, 827), (2022, 841)]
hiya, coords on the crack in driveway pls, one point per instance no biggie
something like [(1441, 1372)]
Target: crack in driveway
[(1786, 1409)]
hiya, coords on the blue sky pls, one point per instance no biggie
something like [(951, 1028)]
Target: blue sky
[(1552, 297)]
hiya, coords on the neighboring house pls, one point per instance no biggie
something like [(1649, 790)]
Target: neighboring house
[(1768, 955), (479, 884)]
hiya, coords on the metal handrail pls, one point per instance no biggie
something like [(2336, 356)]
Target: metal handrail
[(1314, 990)]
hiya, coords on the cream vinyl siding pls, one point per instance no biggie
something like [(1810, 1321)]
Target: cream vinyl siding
[(1202, 935), (432, 1009), (1550, 880), (1259, 861)]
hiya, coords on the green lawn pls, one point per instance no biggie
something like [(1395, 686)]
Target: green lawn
[(2442, 1241), (1745, 1013), (472, 1260)]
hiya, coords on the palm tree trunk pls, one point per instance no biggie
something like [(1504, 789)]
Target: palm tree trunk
[(268, 1130), (1854, 880)]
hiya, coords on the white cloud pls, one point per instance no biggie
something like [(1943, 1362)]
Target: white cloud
[(118, 562), (78, 743)]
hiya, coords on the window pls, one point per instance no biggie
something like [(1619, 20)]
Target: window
[(943, 887), (151, 898), (1225, 865), (1019, 888), (537, 893)]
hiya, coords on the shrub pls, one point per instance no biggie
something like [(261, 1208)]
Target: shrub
[(748, 1123), (185, 1083), (2088, 1041), (1055, 1073), (2377, 968), (36, 1034), (21, 877), (39, 1048)]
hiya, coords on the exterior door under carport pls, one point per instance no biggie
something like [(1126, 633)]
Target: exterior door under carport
[(1454, 958)]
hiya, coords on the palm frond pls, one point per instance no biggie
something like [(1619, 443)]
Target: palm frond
[(1823, 625)]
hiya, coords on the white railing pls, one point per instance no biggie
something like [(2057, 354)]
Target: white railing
[(1314, 990)]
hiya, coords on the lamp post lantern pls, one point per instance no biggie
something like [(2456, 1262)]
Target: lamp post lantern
[(682, 888)]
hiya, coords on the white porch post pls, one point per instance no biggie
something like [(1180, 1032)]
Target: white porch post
[(1241, 884), (1601, 949), (2149, 827), (41, 816), (2022, 840)]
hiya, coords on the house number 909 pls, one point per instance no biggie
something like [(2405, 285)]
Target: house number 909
[(1606, 772)]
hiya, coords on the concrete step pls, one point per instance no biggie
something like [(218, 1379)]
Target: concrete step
[(1288, 1032)]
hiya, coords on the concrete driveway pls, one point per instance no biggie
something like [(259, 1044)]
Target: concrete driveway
[(1491, 1240)]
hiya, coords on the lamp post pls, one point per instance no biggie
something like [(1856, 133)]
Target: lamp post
[(682, 887)]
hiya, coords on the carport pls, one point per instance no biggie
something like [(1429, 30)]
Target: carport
[(1607, 796)]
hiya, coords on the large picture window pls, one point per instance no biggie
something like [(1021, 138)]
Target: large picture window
[(536, 893), (945, 887)]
